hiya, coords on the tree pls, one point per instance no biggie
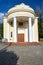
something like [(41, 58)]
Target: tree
[(39, 14), (1, 30)]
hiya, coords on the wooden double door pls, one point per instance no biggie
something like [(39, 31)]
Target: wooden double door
[(20, 37)]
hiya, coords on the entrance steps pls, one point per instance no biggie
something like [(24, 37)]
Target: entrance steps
[(22, 43)]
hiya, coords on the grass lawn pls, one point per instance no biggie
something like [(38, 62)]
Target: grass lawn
[(41, 39), (0, 40)]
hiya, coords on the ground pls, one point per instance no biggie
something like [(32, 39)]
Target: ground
[(21, 55)]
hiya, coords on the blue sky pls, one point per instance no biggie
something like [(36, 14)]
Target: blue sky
[(5, 5)]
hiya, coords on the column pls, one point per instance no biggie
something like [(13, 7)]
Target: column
[(15, 30), (8, 31), (33, 30), (36, 29), (30, 30), (5, 28), (26, 33)]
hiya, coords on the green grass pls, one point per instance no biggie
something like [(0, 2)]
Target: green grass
[(0, 40), (41, 39)]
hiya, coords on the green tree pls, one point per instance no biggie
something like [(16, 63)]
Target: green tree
[(1, 30), (39, 14)]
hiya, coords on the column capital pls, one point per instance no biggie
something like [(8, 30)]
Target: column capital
[(14, 17), (36, 17), (30, 17)]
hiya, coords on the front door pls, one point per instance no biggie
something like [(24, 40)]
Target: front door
[(20, 37)]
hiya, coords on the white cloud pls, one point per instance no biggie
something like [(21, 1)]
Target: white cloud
[(1, 17)]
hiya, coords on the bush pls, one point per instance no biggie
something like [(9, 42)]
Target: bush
[(1, 36), (4, 40)]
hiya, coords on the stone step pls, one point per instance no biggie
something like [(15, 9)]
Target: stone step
[(22, 43)]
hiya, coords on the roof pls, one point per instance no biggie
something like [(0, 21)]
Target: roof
[(20, 7)]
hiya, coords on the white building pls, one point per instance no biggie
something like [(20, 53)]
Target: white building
[(21, 24)]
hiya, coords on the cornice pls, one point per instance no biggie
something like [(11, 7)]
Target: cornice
[(20, 10)]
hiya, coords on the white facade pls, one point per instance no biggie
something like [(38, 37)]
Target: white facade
[(23, 24)]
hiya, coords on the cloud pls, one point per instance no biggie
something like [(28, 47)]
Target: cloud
[(1, 17)]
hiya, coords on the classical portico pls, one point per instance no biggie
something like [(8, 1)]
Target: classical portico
[(21, 24)]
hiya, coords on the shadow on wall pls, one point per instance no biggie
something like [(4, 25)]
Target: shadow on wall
[(8, 58)]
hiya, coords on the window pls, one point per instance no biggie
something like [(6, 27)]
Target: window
[(20, 24), (11, 23), (11, 34)]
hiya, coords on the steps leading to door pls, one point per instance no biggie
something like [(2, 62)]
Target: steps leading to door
[(22, 43)]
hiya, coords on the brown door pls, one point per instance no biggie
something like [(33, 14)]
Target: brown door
[(20, 37)]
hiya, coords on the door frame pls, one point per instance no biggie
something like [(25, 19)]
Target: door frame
[(20, 37)]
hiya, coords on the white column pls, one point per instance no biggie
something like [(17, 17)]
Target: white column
[(15, 30), (8, 31), (36, 29), (33, 31), (26, 33), (30, 30)]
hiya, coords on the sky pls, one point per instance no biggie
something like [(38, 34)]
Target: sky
[(5, 5)]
